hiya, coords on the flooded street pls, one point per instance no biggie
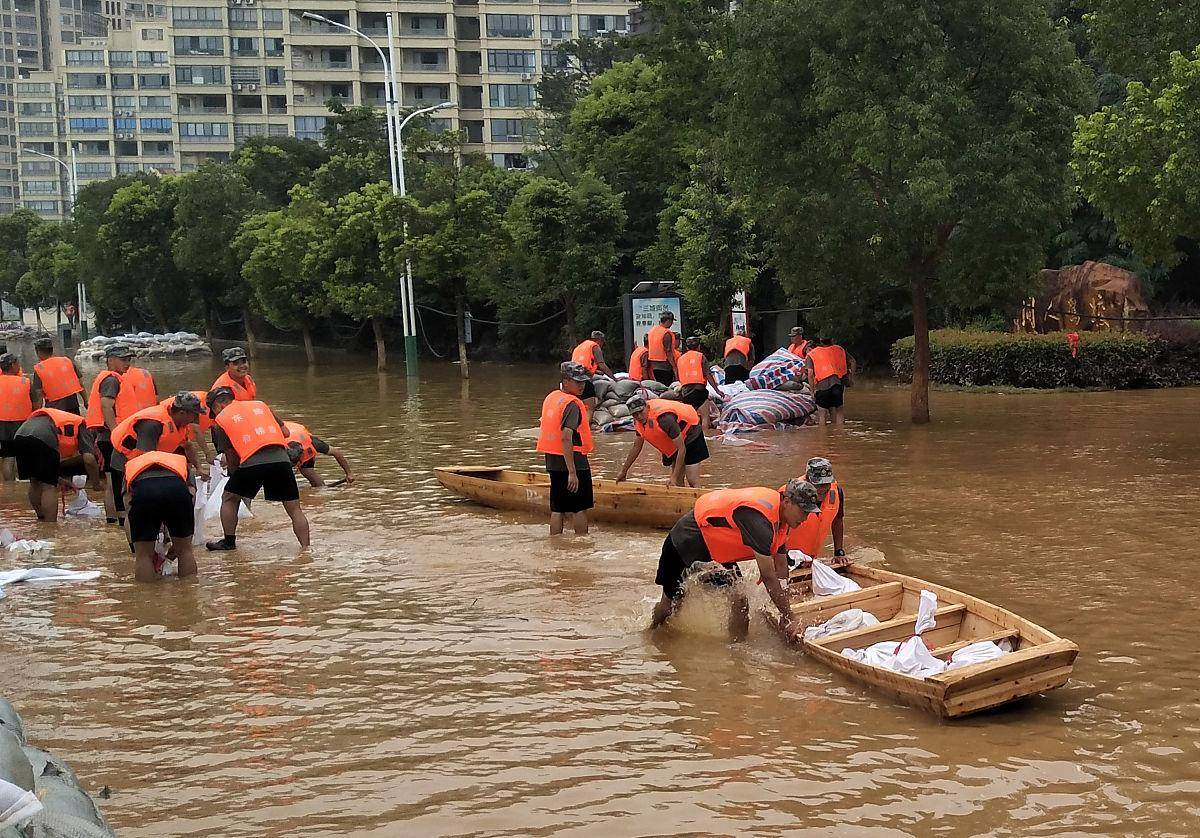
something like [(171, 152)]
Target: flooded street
[(436, 668)]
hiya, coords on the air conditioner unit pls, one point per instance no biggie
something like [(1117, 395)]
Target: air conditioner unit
[(252, 87), (249, 2), (237, 87), (198, 80), (546, 42), (526, 76)]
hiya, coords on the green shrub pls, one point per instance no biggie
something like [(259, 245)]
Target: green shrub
[(1106, 360)]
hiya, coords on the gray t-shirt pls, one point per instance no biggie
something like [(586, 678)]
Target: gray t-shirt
[(756, 529), (43, 429), (571, 418), (670, 427)]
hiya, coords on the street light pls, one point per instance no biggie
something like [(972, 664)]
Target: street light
[(407, 297), (72, 190), (389, 93)]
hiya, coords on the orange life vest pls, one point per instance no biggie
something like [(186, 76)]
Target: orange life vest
[(650, 431), (657, 353), (691, 367), (124, 437), (241, 393), (205, 420), (827, 361), (137, 393), (66, 426), (250, 426), (813, 532), (739, 343), (58, 378), (639, 366), (16, 403), (550, 438), (176, 463), (800, 348), (299, 434), (585, 354), (95, 415), (714, 513)]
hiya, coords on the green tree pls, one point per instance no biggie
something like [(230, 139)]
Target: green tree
[(135, 275), (15, 231), (565, 246), (273, 165), (282, 266), (1137, 161), (918, 146), (346, 173), (53, 270), (91, 204), (1137, 37), (210, 205)]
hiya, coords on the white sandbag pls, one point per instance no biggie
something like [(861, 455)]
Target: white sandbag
[(925, 610), (827, 582), (44, 574), (848, 620), (981, 652), (620, 376), (217, 480), (198, 511), (6, 537), (16, 805), (798, 558), (29, 547), (910, 658), (81, 507)]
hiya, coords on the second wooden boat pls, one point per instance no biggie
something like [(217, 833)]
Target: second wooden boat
[(637, 504), (1040, 661)]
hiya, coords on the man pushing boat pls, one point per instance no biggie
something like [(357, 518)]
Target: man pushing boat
[(726, 527)]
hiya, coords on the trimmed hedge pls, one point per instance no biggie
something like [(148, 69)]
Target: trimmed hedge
[(1106, 360)]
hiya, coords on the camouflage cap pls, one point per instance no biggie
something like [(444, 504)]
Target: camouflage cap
[(693, 342), (635, 404), (7, 360), (233, 354), (598, 335), (118, 350), (819, 471), (796, 332), (215, 395), (803, 494), (44, 344), (573, 371), (188, 401)]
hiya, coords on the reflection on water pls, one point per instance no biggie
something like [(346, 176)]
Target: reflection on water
[(433, 668)]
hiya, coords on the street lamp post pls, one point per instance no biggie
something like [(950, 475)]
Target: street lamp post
[(72, 190), (407, 298)]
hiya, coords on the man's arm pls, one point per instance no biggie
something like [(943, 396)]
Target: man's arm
[(36, 396), (680, 455), (108, 407), (635, 451), (83, 395), (336, 453), (775, 590), (668, 343), (598, 355), (568, 443), (282, 427), (839, 527), (712, 381), (191, 451)]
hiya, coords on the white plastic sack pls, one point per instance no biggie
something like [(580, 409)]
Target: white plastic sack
[(16, 805), (45, 574), (848, 620), (217, 480), (827, 582), (29, 547), (81, 507), (6, 537), (925, 609), (980, 652), (198, 512), (797, 558), (911, 657)]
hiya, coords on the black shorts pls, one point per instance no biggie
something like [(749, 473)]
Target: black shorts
[(276, 481), (664, 377), (104, 446), (70, 404), (830, 398), (736, 372), (567, 502), (589, 390), (673, 570), (694, 452), (694, 395), (155, 502), (35, 460)]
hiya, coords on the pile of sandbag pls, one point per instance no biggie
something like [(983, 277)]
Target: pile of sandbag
[(39, 793), (611, 414), (15, 331), (146, 345)]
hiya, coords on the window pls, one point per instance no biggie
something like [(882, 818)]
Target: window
[(75, 57), (510, 26), (600, 24), (87, 103), (153, 81), (45, 87), (156, 126), (122, 81), (510, 161), (39, 187), (146, 58), (152, 34), (35, 129), (93, 171), (198, 45), (88, 123), (38, 167), (124, 101), (196, 16), (199, 75), (83, 80), (274, 75), (510, 61), (155, 103), (128, 168), (416, 23), (243, 18), (556, 27), (272, 18), (512, 95), (203, 132), (31, 39), (243, 46), (511, 130), (429, 59), (310, 127), (552, 60), (123, 124), (35, 109), (120, 58), (42, 207), (273, 47)]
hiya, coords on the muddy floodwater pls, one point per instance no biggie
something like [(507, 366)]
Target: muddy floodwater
[(435, 668)]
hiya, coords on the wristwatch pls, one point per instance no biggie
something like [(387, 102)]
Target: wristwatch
[(839, 553)]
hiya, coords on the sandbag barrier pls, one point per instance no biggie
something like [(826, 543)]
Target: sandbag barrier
[(611, 414), (68, 811), (146, 345)]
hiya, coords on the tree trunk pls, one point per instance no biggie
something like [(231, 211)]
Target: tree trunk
[(309, 353), (920, 378), (210, 328), (251, 340), (461, 320), (37, 315), (380, 348)]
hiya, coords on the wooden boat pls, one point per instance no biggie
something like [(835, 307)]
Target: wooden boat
[(638, 504), (1040, 661)]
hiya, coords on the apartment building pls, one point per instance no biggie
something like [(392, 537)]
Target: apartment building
[(172, 86)]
